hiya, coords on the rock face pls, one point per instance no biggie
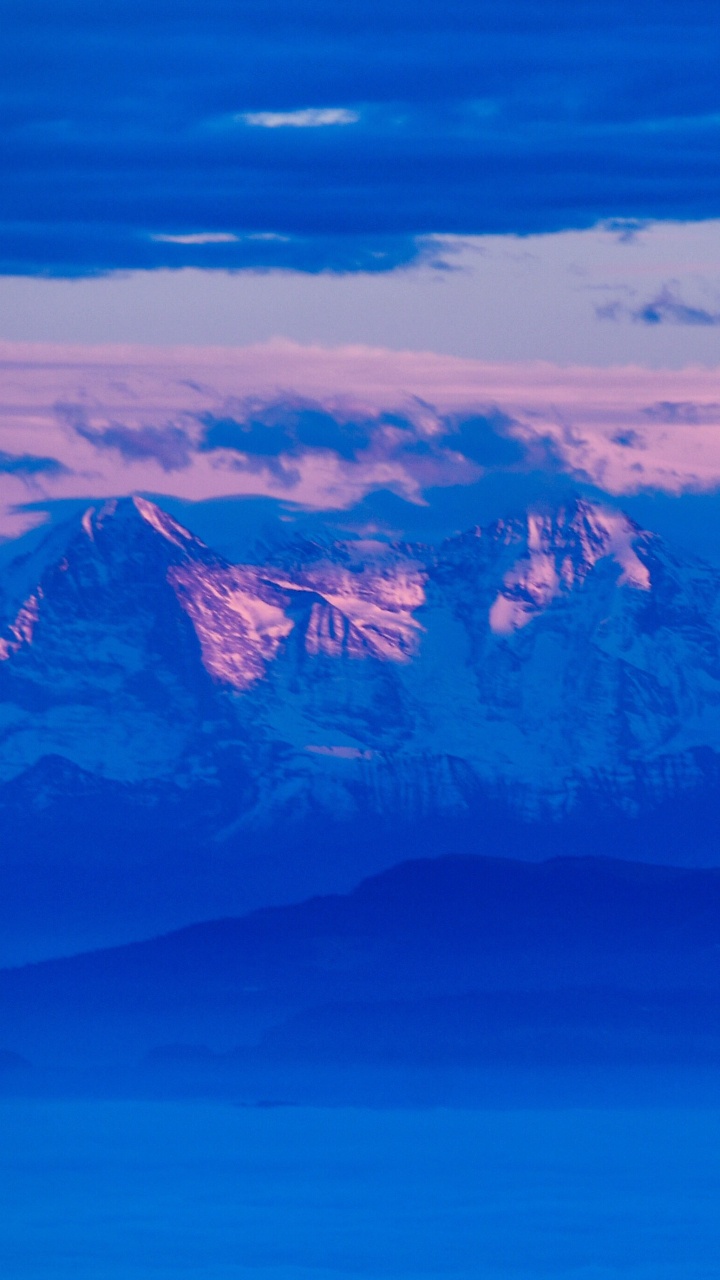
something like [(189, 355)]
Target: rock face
[(550, 677)]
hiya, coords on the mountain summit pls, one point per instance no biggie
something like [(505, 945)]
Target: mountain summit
[(558, 672)]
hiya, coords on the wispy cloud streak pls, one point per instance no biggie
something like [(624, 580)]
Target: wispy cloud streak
[(305, 118)]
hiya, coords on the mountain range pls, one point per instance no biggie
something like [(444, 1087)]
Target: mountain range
[(181, 736)]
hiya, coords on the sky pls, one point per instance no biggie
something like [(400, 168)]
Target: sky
[(395, 266)]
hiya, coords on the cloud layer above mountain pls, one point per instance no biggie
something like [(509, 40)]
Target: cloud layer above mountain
[(314, 135), (271, 421)]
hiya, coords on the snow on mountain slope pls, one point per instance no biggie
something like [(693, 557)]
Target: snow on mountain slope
[(559, 555), (239, 618), (541, 658), (607, 661)]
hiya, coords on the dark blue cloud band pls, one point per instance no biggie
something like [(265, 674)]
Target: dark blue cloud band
[(339, 136)]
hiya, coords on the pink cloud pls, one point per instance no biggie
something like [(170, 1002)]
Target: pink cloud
[(124, 419)]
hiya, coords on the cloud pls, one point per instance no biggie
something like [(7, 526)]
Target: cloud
[(290, 425), (666, 307), (305, 118), (473, 118), (486, 440), (324, 429), (76, 249), (407, 449), (169, 445), (197, 237), (28, 466)]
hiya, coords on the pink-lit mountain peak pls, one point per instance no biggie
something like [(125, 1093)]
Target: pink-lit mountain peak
[(128, 567), (125, 559), (545, 646), (131, 582), (96, 588), (579, 533)]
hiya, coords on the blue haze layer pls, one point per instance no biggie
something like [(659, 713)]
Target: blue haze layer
[(155, 1192)]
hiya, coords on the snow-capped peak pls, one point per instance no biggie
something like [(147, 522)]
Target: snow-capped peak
[(117, 512), (561, 550), (162, 523)]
